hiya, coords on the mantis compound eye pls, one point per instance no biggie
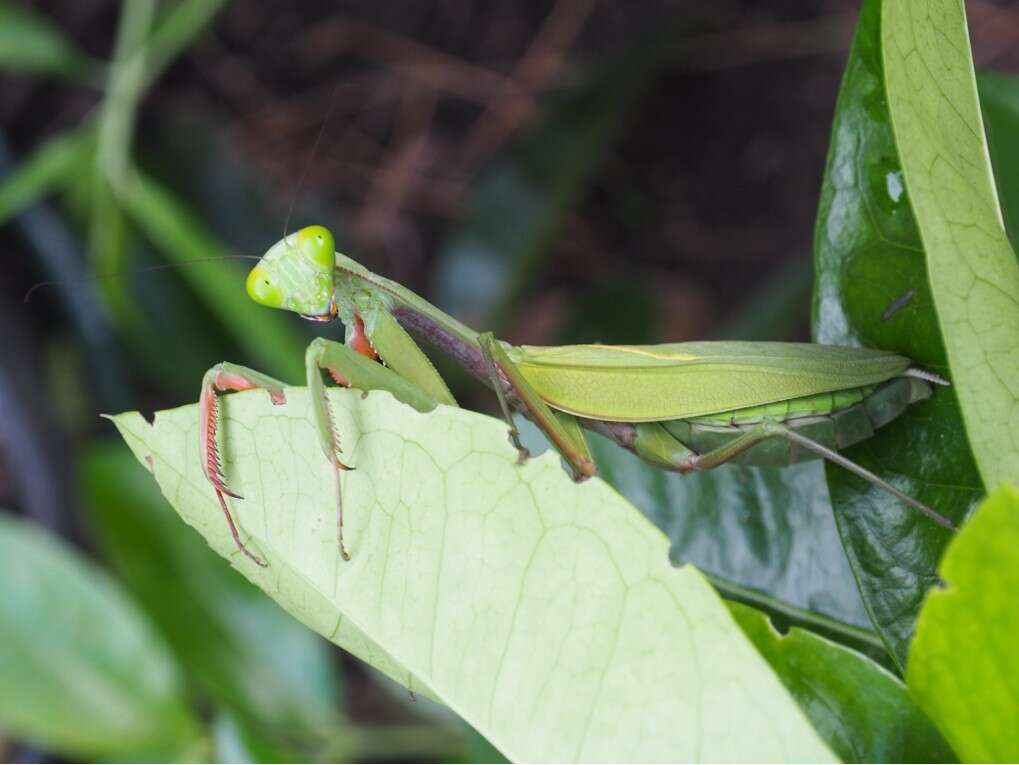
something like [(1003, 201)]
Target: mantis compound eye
[(317, 244), (261, 289)]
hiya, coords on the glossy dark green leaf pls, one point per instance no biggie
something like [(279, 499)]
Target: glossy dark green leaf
[(862, 711), (82, 672), (871, 289), (234, 642)]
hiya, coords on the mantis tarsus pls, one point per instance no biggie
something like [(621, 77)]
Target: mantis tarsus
[(680, 406)]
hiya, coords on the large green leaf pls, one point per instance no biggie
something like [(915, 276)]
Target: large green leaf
[(868, 255), (973, 273), (863, 712), (81, 670), (544, 612), (234, 643), (963, 668)]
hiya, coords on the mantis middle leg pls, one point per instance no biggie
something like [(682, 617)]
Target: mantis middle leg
[(561, 429)]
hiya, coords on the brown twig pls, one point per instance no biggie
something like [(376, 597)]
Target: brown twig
[(543, 60), (411, 59), (766, 42)]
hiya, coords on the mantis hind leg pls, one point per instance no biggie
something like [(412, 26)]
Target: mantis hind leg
[(657, 445), (223, 378), (562, 429)]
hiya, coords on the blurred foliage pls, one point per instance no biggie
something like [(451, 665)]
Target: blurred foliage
[(223, 642), (82, 670), (522, 202), (30, 43), (564, 179), (274, 676)]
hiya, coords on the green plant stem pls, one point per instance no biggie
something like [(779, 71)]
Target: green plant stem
[(115, 127), (125, 86), (796, 616)]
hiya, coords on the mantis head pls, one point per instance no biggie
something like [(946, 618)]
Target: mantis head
[(296, 274)]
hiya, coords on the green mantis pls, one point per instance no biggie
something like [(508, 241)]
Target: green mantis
[(680, 406)]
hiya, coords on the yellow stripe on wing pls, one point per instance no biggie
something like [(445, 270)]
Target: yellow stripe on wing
[(642, 352)]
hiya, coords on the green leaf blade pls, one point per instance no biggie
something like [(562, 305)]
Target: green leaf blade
[(974, 276), (544, 612), (962, 665), (29, 42)]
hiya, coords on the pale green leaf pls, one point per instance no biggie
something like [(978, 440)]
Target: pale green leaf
[(963, 668), (81, 670), (973, 272), (862, 711), (544, 612)]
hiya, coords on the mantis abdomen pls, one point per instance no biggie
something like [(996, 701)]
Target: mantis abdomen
[(834, 420)]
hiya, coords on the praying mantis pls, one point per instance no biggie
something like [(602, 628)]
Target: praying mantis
[(679, 406)]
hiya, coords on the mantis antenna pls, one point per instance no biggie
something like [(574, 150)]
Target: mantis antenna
[(311, 158), (165, 266), (145, 270)]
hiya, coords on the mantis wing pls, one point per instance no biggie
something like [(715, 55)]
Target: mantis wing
[(643, 383)]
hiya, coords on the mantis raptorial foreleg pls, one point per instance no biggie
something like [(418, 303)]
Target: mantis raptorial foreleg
[(568, 440), (346, 367), (405, 357), (223, 378)]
